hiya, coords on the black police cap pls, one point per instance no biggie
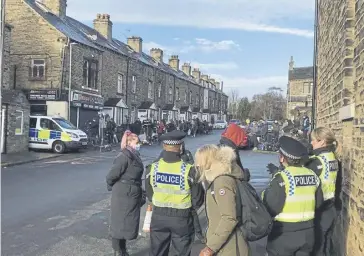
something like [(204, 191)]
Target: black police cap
[(292, 148), (174, 137)]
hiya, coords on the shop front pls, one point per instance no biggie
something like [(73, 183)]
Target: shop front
[(206, 116), (84, 107), (170, 113), (117, 109), (147, 110), (46, 102), (196, 113), (185, 113)]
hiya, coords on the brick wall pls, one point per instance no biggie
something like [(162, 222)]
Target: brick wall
[(339, 85)]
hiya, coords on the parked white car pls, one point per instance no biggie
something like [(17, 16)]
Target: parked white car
[(220, 124)]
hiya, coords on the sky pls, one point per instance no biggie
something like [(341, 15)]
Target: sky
[(247, 44)]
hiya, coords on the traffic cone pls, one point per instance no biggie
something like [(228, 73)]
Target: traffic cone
[(148, 219)]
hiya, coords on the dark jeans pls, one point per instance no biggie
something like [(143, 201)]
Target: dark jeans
[(324, 230)]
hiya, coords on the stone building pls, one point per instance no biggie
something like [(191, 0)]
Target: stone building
[(299, 90), (14, 123), (101, 72), (340, 101)]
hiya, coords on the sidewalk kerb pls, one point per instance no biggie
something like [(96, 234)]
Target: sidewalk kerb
[(28, 161)]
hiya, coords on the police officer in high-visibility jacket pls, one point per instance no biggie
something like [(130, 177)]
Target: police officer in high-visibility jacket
[(293, 195), (326, 165), (172, 186)]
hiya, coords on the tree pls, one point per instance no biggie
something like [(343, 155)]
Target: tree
[(244, 108), (270, 105), (233, 103)]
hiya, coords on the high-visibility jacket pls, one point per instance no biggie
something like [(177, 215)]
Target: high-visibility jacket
[(300, 184), (330, 168), (170, 184)]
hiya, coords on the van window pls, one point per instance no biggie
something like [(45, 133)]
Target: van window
[(48, 124), (65, 124), (33, 123)]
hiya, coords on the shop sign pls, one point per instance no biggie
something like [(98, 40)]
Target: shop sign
[(42, 95), (87, 101)]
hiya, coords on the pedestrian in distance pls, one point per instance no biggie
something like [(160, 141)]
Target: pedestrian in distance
[(325, 163), (217, 166), (172, 187), (125, 181), (292, 197)]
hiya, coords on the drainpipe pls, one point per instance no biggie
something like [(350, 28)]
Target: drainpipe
[(63, 63), (70, 82), (314, 87), (128, 59)]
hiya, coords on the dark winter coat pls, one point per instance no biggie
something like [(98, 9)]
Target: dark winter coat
[(124, 179)]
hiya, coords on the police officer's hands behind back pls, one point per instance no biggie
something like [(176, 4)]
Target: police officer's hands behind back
[(272, 169)]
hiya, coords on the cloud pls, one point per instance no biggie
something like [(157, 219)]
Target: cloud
[(198, 44), (245, 15), (211, 67), (248, 87)]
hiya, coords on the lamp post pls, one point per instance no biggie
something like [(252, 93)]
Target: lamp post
[(70, 83)]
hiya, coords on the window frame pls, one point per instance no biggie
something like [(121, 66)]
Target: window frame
[(170, 94), (33, 65), (90, 73), (159, 90), (21, 124), (150, 89), (178, 96), (308, 85), (133, 83), (120, 87)]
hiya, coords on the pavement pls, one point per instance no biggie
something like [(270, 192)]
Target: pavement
[(60, 206), (25, 157)]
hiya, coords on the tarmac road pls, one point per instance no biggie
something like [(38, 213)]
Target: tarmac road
[(61, 206)]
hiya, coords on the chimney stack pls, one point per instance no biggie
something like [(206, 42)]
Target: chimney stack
[(136, 43), (174, 62), (157, 54), (196, 73), (217, 84), (103, 25), (186, 68), (57, 7), (205, 77), (291, 63), (212, 81)]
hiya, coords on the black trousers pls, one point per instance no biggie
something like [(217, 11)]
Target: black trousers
[(297, 243), (166, 231), (324, 230), (119, 245)]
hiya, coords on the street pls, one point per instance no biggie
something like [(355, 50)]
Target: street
[(61, 206)]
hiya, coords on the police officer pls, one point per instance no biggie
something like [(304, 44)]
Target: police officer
[(171, 185), (293, 195), (325, 164)]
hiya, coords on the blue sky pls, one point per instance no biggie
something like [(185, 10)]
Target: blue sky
[(245, 43)]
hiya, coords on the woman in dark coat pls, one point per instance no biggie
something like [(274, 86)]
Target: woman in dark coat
[(124, 180)]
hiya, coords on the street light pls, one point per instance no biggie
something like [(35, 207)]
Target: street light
[(70, 83)]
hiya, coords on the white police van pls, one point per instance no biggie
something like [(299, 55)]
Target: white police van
[(55, 133)]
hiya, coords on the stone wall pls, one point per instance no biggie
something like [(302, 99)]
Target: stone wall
[(16, 104), (339, 91), (30, 41), (7, 72)]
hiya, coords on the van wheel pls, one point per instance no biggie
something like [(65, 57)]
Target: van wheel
[(58, 147)]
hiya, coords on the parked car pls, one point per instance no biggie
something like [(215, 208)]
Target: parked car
[(235, 121), (220, 124)]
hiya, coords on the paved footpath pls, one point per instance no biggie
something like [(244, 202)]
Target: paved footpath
[(60, 206)]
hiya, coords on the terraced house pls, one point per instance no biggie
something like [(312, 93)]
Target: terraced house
[(70, 69)]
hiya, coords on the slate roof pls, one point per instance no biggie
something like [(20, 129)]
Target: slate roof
[(145, 105), (301, 73), (184, 108), (168, 107), (86, 35), (196, 109)]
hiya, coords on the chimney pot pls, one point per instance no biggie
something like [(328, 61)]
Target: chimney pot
[(157, 54), (103, 25), (174, 62), (136, 43)]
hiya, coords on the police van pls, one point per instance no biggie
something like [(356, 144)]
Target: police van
[(55, 133)]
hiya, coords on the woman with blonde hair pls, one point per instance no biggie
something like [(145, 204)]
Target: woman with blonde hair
[(125, 181), (325, 163), (218, 165)]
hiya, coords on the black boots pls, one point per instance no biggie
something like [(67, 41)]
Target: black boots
[(121, 253)]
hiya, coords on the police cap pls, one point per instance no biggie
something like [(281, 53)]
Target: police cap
[(292, 148), (174, 137)]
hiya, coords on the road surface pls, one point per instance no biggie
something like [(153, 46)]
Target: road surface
[(61, 207)]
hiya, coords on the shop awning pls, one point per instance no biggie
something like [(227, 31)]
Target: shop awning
[(115, 102), (147, 105)]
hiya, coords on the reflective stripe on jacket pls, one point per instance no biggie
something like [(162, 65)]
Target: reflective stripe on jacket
[(300, 184), (170, 184), (330, 168)]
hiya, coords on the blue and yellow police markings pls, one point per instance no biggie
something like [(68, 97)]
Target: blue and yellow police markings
[(42, 136)]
